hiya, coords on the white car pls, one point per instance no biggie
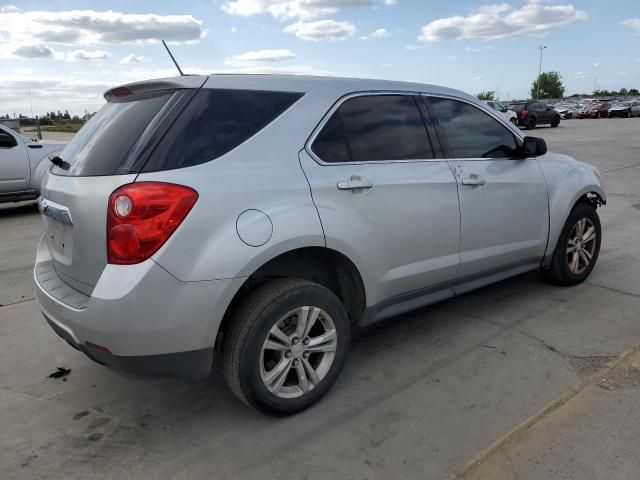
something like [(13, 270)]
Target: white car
[(510, 115), (23, 163)]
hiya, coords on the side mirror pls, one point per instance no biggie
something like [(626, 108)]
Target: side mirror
[(533, 147), (7, 141)]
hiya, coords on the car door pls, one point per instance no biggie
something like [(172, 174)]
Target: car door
[(14, 163), (383, 197), (541, 112), (503, 199)]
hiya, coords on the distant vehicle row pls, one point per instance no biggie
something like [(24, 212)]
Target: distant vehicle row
[(599, 109)]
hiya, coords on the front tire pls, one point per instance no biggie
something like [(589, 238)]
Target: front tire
[(555, 122), (286, 347), (578, 247)]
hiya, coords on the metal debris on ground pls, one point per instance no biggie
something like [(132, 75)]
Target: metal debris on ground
[(60, 372)]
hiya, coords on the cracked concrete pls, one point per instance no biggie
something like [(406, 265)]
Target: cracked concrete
[(518, 380)]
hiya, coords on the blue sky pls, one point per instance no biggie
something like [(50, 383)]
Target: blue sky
[(68, 52)]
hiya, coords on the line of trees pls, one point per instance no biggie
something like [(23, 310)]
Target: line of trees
[(50, 118), (549, 85)]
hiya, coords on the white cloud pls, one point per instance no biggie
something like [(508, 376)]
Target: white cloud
[(501, 21), (414, 47), (477, 78), (133, 58), (9, 8), (87, 55), (451, 58), (581, 75), (321, 30), (597, 64), (233, 29), (390, 2), (633, 23), (91, 27), (290, 9), (380, 33), (34, 51), (258, 57)]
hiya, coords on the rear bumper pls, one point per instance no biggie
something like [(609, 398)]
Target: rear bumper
[(194, 364), (145, 321)]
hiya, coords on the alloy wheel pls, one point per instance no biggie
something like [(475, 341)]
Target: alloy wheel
[(298, 352), (581, 246)]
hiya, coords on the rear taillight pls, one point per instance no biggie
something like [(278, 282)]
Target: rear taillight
[(142, 216), (525, 113)]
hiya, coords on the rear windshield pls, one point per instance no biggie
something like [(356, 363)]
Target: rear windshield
[(102, 144), (214, 122), (517, 107)]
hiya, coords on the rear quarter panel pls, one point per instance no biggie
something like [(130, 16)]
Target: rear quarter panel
[(261, 174)]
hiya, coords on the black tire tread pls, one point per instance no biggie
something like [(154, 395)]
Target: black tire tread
[(246, 317), (554, 273)]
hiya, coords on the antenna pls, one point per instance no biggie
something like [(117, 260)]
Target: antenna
[(174, 60)]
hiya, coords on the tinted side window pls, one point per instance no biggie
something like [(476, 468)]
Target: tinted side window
[(331, 143), (385, 127), (471, 133), (215, 122)]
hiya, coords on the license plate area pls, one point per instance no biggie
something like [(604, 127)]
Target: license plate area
[(60, 240)]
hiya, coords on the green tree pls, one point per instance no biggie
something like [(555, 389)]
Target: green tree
[(634, 92), (488, 95), (550, 84)]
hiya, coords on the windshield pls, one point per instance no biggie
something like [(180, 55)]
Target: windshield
[(102, 144)]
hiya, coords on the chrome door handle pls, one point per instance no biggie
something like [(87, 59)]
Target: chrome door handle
[(355, 183), (474, 180)]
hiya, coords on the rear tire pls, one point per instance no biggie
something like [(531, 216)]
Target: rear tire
[(577, 249), (532, 123), (271, 360), (555, 122)]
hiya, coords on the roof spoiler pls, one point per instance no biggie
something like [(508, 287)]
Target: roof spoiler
[(147, 86)]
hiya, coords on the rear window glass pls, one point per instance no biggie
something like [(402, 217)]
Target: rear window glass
[(214, 122), (102, 144), (517, 107)]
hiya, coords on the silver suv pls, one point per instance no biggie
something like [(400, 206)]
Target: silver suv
[(262, 216)]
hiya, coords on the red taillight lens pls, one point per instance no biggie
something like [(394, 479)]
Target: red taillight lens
[(142, 216), (525, 113)]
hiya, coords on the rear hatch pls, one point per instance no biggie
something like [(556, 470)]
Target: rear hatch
[(518, 108), (108, 152)]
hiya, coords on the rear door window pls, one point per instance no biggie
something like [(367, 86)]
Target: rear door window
[(374, 128), (471, 133), (214, 122)]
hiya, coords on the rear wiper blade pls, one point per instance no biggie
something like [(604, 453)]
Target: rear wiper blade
[(59, 162)]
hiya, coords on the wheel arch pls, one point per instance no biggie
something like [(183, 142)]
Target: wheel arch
[(324, 266), (592, 195)]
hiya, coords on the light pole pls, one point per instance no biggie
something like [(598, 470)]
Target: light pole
[(542, 48)]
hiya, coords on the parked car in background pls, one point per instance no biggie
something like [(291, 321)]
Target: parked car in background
[(510, 115), (592, 110), (625, 109), (264, 215), (23, 163), (532, 113), (567, 110)]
